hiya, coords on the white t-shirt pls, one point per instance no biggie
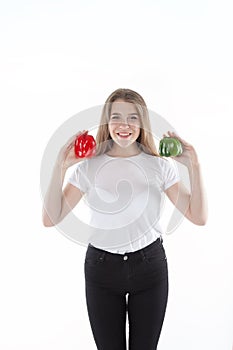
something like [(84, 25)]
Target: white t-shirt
[(124, 198)]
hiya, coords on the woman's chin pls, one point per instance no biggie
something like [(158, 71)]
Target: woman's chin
[(123, 143)]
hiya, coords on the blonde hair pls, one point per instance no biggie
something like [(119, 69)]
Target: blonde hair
[(145, 140)]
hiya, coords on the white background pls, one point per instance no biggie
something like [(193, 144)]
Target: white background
[(61, 57)]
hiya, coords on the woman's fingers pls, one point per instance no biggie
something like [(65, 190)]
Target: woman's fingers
[(173, 134), (71, 141), (170, 134)]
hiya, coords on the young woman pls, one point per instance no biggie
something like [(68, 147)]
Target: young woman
[(124, 184)]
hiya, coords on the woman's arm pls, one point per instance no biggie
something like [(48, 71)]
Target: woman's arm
[(192, 204), (57, 203)]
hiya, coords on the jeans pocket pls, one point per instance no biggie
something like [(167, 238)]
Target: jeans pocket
[(156, 255), (93, 257)]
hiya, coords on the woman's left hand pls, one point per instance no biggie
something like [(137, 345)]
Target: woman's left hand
[(189, 155)]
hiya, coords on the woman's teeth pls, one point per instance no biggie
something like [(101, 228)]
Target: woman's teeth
[(123, 134)]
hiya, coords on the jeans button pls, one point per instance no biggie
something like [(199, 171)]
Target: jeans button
[(125, 257)]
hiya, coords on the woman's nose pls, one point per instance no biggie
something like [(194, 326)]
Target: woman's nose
[(124, 124)]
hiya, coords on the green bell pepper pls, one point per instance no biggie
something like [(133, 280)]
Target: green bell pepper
[(170, 146)]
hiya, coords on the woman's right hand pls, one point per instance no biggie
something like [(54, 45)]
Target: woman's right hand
[(66, 157)]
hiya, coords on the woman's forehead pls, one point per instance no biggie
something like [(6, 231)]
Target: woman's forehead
[(120, 106)]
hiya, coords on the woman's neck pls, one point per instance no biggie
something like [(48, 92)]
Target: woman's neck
[(123, 152)]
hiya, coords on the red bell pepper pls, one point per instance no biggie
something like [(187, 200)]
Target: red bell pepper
[(85, 146)]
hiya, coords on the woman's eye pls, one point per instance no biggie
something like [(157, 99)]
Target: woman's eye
[(134, 117)]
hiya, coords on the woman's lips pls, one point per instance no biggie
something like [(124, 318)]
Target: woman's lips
[(124, 135)]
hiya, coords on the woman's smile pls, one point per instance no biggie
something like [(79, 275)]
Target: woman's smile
[(124, 135)]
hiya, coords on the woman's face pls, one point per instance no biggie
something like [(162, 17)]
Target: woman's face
[(124, 123)]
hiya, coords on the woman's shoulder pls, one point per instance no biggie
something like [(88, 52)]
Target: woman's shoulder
[(156, 162), (155, 158)]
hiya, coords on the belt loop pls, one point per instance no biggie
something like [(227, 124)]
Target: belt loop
[(142, 254), (101, 258), (161, 239)]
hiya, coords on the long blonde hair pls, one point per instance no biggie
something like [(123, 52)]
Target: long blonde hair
[(145, 140)]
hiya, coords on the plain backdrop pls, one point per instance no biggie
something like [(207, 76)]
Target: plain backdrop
[(61, 57)]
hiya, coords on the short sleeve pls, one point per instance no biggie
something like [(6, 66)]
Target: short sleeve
[(79, 178), (170, 175)]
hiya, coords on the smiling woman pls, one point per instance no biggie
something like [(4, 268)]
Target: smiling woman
[(117, 119), (124, 186), (125, 124)]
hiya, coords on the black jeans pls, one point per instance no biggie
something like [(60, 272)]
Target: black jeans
[(108, 278)]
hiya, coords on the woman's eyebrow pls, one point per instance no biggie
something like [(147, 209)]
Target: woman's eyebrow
[(115, 113)]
